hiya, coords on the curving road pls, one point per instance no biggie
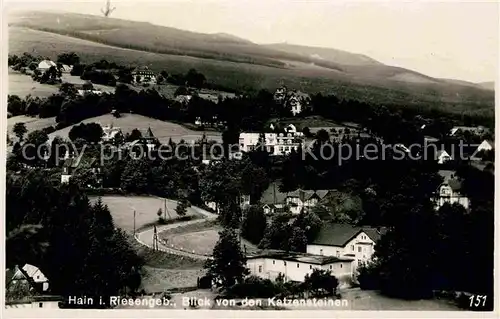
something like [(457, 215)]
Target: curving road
[(145, 237)]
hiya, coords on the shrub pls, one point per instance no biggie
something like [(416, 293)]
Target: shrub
[(254, 287)]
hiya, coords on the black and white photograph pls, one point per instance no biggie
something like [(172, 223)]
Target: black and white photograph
[(258, 155)]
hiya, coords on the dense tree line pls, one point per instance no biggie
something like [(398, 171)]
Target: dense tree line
[(73, 242)]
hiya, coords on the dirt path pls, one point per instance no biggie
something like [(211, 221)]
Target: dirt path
[(145, 237)]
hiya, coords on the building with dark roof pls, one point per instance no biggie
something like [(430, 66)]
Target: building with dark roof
[(27, 287), (273, 200), (346, 241), (450, 191), (143, 75), (294, 266)]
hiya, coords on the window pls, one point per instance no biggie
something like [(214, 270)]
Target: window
[(310, 267), (260, 268), (359, 249), (284, 263), (338, 253), (352, 247), (40, 305), (331, 267), (340, 265), (274, 262), (298, 265), (321, 251)]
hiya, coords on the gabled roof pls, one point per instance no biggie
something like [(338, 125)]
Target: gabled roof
[(455, 184), (46, 64), (297, 257), (142, 69), (446, 174), (442, 153), (149, 133), (339, 235), (273, 195)]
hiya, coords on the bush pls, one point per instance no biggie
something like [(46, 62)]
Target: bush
[(368, 276), (254, 287), (205, 282)]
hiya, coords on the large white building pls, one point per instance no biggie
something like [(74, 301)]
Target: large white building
[(346, 241), (143, 75), (295, 266), (277, 144)]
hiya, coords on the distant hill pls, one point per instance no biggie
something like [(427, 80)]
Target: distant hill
[(488, 85), (238, 63), (328, 54)]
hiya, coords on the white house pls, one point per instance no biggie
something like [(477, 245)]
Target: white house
[(450, 191), (82, 92), (475, 130), (486, 145), (143, 75), (346, 241), (442, 157), (66, 68), (276, 144), (111, 132), (28, 287), (45, 65), (295, 105), (295, 266), (300, 199)]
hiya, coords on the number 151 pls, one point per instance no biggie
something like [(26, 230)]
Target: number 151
[(477, 300)]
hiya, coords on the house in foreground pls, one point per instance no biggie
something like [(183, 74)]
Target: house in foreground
[(356, 243), (28, 287), (295, 266)]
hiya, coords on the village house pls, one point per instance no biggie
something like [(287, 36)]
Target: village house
[(66, 68), (300, 200), (275, 201), (73, 165), (474, 130), (485, 145), (280, 94), (346, 241), (45, 65), (450, 191), (110, 133), (295, 266), (276, 144), (272, 200), (296, 101), (28, 287), (143, 75), (442, 157)]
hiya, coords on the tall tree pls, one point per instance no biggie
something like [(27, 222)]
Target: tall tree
[(227, 265), (20, 129)]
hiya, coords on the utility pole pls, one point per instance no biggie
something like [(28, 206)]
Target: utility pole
[(155, 238), (134, 222)]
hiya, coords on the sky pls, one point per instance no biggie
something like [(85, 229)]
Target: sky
[(444, 39)]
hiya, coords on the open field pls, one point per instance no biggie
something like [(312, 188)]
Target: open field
[(199, 241), (162, 130), (159, 279), (22, 85), (370, 88), (32, 123), (122, 209)]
